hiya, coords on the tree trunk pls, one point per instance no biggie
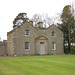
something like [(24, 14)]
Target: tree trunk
[(69, 40), (69, 44)]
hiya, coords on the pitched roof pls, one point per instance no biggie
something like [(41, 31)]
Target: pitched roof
[(33, 27)]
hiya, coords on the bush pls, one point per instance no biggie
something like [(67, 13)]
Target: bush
[(72, 50), (66, 50)]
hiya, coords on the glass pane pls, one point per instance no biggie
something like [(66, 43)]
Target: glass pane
[(53, 45), (27, 32), (41, 42), (53, 33), (26, 45)]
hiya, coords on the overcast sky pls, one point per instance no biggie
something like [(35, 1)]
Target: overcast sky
[(9, 9)]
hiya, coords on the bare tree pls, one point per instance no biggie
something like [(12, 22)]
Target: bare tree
[(45, 18), (36, 18)]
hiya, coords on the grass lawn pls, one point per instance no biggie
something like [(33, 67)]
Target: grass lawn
[(38, 65)]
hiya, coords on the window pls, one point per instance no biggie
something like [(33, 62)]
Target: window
[(53, 45), (41, 42), (26, 45), (26, 32), (53, 34)]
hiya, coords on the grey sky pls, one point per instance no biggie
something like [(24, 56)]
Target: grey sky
[(10, 8)]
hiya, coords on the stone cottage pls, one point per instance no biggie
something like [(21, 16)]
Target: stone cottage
[(27, 39)]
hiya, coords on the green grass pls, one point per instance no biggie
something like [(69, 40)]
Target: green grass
[(38, 65)]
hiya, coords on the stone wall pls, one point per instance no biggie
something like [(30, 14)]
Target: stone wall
[(10, 47), (3, 49), (17, 39)]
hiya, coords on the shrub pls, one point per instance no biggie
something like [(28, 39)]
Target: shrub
[(72, 50)]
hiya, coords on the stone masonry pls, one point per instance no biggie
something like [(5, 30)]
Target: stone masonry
[(40, 40)]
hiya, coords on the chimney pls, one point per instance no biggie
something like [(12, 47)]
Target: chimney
[(40, 24), (31, 22)]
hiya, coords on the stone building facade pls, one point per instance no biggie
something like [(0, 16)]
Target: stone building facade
[(3, 48), (29, 40)]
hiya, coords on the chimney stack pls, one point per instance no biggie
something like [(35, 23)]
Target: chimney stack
[(40, 24)]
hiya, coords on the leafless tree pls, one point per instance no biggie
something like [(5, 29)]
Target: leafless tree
[(45, 18)]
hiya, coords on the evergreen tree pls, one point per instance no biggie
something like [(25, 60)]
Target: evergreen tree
[(21, 18), (67, 25)]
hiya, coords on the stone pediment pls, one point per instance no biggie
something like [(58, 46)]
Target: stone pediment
[(41, 38)]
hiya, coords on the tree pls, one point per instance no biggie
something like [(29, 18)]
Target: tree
[(47, 20), (37, 18), (68, 24), (21, 18)]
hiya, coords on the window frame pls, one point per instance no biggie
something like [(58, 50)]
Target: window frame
[(27, 34), (53, 33), (53, 46), (27, 45)]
